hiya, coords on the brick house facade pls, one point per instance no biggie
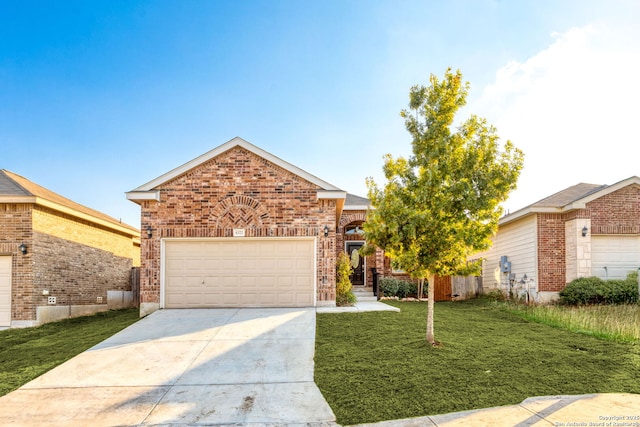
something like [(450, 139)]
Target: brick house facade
[(228, 203), (78, 256), (584, 230)]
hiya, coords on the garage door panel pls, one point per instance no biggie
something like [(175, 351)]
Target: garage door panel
[(239, 273), (5, 290), (619, 254)]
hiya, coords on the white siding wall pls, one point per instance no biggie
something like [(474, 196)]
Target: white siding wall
[(517, 240)]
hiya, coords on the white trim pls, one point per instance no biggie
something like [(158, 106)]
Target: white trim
[(335, 194), (164, 240), (143, 195), (235, 142)]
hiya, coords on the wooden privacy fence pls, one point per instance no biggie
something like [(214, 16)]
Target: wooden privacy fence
[(447, 288)]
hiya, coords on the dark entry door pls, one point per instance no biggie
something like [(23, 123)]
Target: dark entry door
[(357, 262)]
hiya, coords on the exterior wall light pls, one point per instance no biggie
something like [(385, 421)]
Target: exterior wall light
[(149, 232), (326, 231), (23, 248), (584, 231)]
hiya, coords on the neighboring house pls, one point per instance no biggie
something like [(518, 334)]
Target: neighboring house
[(584, 230), (240, 227), (59, 259)]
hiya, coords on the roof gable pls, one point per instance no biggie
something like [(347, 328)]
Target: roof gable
[(235, 142), (568, 195), (19, 189), (571, 198)]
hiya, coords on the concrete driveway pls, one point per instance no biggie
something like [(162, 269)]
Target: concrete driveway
[(185, 367)]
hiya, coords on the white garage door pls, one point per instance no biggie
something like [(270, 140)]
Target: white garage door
[(239, 272), (619, 254), (5, 291)]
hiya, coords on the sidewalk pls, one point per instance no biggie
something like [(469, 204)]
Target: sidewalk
[(359, 307), (584, 410)]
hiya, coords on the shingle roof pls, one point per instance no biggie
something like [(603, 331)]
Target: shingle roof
[(353, 200), (10, 187), (568, 195), (12, 184), (574, 197)]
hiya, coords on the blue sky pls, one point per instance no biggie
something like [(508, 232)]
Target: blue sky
[(99, 97)]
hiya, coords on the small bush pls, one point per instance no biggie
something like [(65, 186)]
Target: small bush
[(391, 287), (593, 290), (344, 295), (495, 295)]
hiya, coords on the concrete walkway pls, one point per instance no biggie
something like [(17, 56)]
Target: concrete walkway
[(185, 367), (585, 410), (359, 307)]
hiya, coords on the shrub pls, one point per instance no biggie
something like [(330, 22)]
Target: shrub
[(495, 295), (593, 290), (344, 295), (391, 287)]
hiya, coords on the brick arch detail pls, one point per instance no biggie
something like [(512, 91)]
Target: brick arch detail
[(349, 218), (239, 211)]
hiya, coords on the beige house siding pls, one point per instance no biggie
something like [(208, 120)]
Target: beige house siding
[(517, 240)]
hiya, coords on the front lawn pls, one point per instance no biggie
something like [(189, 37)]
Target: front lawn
[(377, 366), (30, 352)]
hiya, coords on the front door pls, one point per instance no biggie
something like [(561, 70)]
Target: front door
[(357, 262)]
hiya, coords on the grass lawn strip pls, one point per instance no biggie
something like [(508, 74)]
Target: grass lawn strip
[(611, 322), (377, 366), (30, 352)]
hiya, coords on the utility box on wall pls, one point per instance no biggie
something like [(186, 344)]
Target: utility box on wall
[(505, 264)]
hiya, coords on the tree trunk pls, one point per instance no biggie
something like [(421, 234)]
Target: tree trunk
[(430, 306), (420, 288)]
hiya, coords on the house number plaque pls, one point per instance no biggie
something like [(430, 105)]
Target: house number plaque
[(238, 232)]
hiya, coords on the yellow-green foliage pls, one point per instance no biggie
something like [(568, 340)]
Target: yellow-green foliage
[(344, 296)]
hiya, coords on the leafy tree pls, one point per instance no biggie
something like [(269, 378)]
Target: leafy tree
[(344, 294), (442, 203)]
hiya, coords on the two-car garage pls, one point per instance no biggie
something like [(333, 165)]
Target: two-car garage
[(238, 272)]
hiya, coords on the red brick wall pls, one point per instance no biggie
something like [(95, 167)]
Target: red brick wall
[(551, 252), (237, 189), (76, 274), (616, 213), (15, 228), (69, 271)]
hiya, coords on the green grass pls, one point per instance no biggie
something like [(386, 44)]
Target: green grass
[(613, 322), (30, 352), (377, 366)]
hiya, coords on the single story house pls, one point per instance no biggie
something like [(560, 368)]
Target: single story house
[(584, 230), (240, 227), (59, 259)]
